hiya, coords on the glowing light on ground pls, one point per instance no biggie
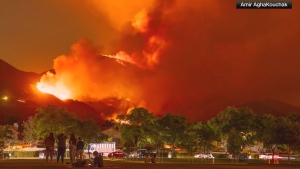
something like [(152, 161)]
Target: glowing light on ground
[(22, 101)]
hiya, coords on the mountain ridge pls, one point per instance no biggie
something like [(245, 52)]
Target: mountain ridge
[(20, 98), (24, 98)]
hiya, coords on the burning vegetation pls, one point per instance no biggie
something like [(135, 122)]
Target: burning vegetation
[(182, 57)]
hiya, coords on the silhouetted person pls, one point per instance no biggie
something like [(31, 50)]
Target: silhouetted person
[(49, 143), (154, 159), (61, 147), (80, 146), (147, 159), (72, 148), (98, 159)]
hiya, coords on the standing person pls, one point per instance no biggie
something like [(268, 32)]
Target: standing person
[(49, 143), (147, 159), (72, 148), (80, 146), (154, 159), (100, 164), (61, 147)]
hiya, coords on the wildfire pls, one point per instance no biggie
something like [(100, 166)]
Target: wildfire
[(85, 75), (55, 88), (121, 56)]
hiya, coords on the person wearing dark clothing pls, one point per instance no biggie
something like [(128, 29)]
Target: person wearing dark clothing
[(80, 146), (98, 159), (72, 148), (154, 159), (49, 143), (61, 147)]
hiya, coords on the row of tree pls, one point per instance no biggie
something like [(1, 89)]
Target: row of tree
[(58, 120), (51, 119), (236, 128), (8, 134)]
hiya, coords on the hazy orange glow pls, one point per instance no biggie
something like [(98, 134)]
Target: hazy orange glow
[(121, 12), (141, 21), (154, 50)]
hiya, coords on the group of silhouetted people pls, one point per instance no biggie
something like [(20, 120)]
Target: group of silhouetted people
[(75, 146), (150, 160)]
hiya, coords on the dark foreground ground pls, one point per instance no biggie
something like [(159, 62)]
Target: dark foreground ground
[(123, 164)]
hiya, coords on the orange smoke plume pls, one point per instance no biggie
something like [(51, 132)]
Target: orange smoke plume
[(194, 58), (86, 75)]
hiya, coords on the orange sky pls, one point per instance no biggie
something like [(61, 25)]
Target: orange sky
[(202, 55)]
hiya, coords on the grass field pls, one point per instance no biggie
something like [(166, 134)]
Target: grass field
[(180, 163)]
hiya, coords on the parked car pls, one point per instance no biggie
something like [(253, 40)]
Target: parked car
[(141, 153), (244, 156), (42, 154), (204, 155), (4, 155), (268, 156), (117, 154)]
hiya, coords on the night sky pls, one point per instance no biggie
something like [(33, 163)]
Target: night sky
[(202, 55)]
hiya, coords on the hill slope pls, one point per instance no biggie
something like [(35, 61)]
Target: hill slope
[(20, 98), (274, 107), (23, 99)]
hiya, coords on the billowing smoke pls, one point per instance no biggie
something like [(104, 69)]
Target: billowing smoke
[(86, 75), (194, 58)]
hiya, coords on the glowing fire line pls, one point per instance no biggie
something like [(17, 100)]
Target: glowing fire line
[(121, 56)]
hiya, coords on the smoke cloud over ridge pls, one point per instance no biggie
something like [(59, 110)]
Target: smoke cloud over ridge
[(194, 58)]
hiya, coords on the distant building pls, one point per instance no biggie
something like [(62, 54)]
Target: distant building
[(115, 135)]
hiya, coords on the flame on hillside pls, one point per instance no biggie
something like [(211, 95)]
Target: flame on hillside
[(56, 85), (198, 57), (122, 57), (85, 75), (50, 85)]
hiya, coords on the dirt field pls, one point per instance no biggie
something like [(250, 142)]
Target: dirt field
[(38, 164)]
